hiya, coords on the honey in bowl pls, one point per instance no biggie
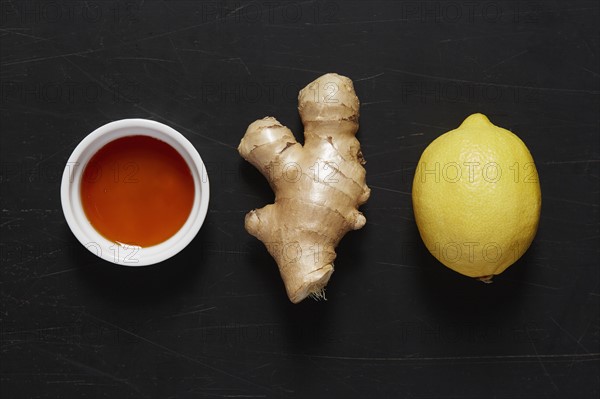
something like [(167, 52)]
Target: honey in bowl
[(137, 190)]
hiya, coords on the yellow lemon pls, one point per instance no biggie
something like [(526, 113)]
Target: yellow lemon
[(476, 198)]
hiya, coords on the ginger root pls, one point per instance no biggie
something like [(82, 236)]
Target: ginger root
[(318, 187)]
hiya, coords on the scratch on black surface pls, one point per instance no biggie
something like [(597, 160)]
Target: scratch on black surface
[(590, 71), (240, 60), (291, 68), (390, 190), (193, 312), (493, 84), (397, 149), (386, 173), (369, 77), (178, 354), (52, 57), (534, 284), (512, 57), (397, 265), (101, 84), (51, 235), (178, 56), (24, 35), (224, 231), (584, 161), (63, 148), (578, 342), (90, 369), (125, 43), (375, 102), (58, 272), (173, 123), (587, 357), (547, 197), (143, 59), (10, 220), (445, 128), (213, 327), (541, 360)]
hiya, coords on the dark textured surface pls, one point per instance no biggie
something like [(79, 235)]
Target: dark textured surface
[(214, 321)]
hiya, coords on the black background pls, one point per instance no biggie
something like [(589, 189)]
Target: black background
[(214, 321)]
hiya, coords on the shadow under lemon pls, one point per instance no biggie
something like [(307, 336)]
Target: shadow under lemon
[(453, 297)]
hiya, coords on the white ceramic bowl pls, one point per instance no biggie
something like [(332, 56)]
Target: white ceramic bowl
[(83, 229)]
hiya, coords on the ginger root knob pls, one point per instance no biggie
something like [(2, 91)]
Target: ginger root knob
[(318, 186)]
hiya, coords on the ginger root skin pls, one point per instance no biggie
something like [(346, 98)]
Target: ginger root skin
[(318, 186)]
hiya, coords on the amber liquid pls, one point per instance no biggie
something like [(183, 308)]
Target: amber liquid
[(137, 190)]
